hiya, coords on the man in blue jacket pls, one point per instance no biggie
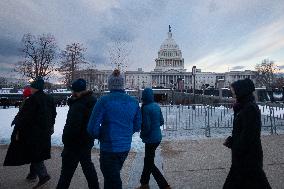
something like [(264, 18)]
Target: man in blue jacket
[(115, 117)]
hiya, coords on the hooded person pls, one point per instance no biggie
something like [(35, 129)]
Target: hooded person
[(77, 142), (152, 120), (115, 118), (35, 125), (247, 157)]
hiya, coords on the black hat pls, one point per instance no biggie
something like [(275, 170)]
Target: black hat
[(78, 85), (38, 83), (243, 87)]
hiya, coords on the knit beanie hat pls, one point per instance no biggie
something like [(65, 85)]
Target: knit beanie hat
[(27, 92), (243, 87), (79, 85), (38, 83), (115, 81)]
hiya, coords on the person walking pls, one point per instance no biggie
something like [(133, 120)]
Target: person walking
[(152, 119), (247, 157), (16, 151), (77, 142), (115, 118), (35, 125)]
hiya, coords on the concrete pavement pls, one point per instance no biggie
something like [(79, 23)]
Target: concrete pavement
[(187, 164)]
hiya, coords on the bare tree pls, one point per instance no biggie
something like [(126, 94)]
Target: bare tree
[(278, 83), (38, 56), (119, 52), (72, 58), (265, 73), (3, 82)]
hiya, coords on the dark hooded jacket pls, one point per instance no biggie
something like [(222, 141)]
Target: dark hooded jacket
[(75, 135), (247, 156), (152, 118), (34, 125)]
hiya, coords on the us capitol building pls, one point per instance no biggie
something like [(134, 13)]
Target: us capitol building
[(169, 72)]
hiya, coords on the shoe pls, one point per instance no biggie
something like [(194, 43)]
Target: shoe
[(144, 186), (42, 181), (31, 178)]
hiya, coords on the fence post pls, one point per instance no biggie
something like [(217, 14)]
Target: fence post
[(166, 117), (271, 123), (176, 122), (275, 127)]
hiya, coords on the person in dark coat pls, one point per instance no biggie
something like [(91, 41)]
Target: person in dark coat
[(247, 157), (115, 118), (152, 120), (77, 142), (35, 125), (27, 92)]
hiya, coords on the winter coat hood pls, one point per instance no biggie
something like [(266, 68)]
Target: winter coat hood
[(243, 88), (147, 96)]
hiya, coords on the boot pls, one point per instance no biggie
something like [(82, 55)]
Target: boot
[(42, 181), (31, 178)]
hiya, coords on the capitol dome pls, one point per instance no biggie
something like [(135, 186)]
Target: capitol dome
[(169, 43), (169, 55)]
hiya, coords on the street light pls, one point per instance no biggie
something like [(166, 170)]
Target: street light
[(193, 75)]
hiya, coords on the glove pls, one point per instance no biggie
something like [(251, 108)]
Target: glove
[(228, 142)]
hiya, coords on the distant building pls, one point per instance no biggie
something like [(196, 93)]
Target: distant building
[(169, 72), (96, 79), (137, 79), (169, 69)]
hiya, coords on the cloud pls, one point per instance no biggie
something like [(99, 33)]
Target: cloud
[(237, 68), (281, 67), (248, 50), (9, 47), (212, 34)]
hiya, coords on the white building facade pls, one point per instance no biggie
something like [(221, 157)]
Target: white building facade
[(169, 72)]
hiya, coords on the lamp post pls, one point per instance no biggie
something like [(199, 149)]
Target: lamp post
[(193, 75)]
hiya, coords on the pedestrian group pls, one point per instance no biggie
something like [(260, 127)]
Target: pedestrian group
[(112, 120)]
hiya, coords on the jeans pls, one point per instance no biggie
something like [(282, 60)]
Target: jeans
[(38, 169), (150, 167), (70, 160), (111, 164)]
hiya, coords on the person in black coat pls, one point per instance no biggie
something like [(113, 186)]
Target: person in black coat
[(247, 157), (77, 142), (34, 124)]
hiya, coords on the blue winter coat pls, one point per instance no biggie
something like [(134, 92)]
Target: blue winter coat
[(115, 117), (152, 118)]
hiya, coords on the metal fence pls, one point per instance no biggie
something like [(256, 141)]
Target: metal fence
[(217, 119)]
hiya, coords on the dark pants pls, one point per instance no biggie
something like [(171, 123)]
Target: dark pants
[(38, 169), (111, 164), (70, 160), (150, 167)]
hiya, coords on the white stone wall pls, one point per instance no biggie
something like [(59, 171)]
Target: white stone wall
[(133, 80)]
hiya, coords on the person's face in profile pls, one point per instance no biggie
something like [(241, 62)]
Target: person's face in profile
[(233, 92)]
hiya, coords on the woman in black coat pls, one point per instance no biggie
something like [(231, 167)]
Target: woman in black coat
[(31, 139), (34, 125), (247, 156)]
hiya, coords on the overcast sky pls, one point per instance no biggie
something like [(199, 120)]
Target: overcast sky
[(214, 35)]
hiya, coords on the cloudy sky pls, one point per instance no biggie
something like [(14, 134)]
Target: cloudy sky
[(214, 35)]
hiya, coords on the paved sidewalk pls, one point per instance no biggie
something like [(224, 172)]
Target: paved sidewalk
[(187, 164)]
